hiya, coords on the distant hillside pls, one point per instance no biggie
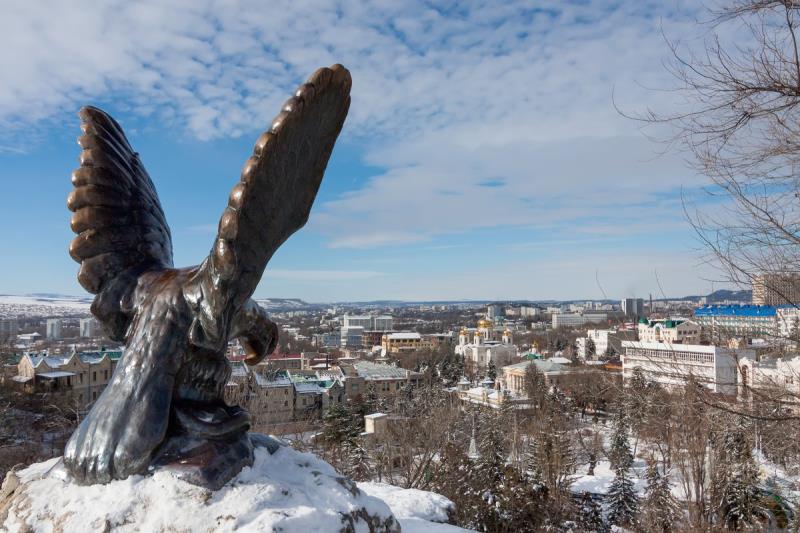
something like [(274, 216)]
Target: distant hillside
[(722, 295), (277, 305)]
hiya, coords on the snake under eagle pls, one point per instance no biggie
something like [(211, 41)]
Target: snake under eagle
[(164, 404)]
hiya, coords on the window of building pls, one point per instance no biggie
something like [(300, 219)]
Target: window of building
[(94, 376)]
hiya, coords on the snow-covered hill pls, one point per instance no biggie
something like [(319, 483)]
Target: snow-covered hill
[(43, 305)]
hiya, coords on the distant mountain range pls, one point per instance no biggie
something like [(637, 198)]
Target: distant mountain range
[(723, 295), (52, 304)]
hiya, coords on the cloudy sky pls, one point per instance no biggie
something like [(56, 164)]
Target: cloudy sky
[(482, 158)]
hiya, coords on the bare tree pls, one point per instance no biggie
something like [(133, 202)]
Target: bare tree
[(739, 121)]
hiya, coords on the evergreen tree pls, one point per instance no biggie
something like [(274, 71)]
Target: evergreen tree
[(535, 386), (491, 371), (551, 459), (742, 500), (621, 499), (590, 515), (339, 426), (620, 455), (451, 367), (357, 464), (735, 484), (660, 510), (591, 349), (611, 352)]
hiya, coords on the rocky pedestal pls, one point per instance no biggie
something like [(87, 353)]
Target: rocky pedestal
[(284, 490)]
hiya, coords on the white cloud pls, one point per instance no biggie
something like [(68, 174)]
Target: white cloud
[(445, 99)]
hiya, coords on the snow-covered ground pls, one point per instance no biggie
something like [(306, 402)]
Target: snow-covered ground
[(603, 476), (418, 511), (285, 491), (40, 305)]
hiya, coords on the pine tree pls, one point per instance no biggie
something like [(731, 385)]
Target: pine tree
[(591, 349), (590, 515), (357, 464), (736, 480), (535, 386), (338, 426), (742, 500), (660, 510), (620, 455), (621, 499), (491, 371)]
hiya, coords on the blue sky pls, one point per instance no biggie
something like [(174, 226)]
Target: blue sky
[(482, 158)]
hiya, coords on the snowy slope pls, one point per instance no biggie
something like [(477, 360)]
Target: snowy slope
[(286, 491)]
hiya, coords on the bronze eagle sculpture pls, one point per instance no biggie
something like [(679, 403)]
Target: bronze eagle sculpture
[(164, 404)]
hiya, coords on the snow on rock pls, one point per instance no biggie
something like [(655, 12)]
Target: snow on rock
[(285, 491), (418, 511), (410, 503)]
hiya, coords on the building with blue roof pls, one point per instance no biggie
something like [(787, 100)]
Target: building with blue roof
[(725, 321)]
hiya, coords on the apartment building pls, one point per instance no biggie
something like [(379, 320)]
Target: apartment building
[(725, 321), (673, 364), (572, 320), (84, 375), (778, 288), (670, 330), (404, 341)]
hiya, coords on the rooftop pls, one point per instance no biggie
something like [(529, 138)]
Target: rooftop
[(544, 366), (369, 370), (736, 310), (405, 335)]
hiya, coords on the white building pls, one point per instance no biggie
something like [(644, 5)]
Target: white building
[(493, 311), (368, 322), (671, 330), (581, 347), (481, 350), (53, 328), (89, 328), (382, 323), (600, 339), (572, 320), (770, 376), (788, 319), (351, 336), (672, 364), (364, 321)]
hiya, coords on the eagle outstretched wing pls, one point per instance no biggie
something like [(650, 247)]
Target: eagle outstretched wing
[(122, 231), (271, 201)]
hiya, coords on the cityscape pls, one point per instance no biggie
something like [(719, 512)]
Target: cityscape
[(422, 267), (363, 365)]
